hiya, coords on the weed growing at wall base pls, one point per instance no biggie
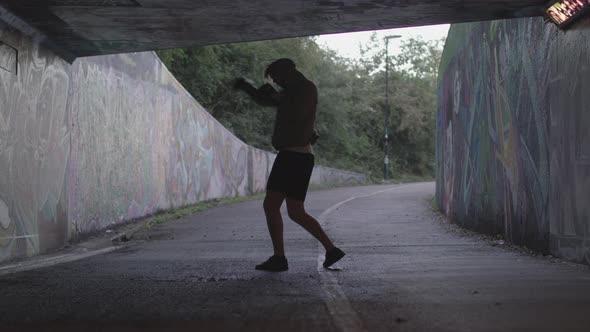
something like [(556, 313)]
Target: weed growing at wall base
[(177, 213)]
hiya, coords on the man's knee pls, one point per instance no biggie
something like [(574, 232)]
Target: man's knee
[(296, 211), (271, 205)]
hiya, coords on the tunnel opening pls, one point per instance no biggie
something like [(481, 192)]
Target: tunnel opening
[(362, 97), (497, 117)]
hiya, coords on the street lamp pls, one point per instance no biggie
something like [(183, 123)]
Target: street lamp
[(386, 141)]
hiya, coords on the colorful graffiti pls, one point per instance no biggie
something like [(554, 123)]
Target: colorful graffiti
[(569, 120), (153, 146), (106, 140), (511, 133), (492, 148)]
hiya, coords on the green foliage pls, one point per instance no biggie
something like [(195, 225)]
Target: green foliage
[(351, 98)]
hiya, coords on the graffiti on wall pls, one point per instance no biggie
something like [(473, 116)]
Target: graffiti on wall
[(143, 144), (34, 149), (261, 165), (569, 141), (512, 152), (322, 174), (106, 140), (492, 138)]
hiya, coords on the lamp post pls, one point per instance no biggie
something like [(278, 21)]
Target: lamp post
[(386, 125)]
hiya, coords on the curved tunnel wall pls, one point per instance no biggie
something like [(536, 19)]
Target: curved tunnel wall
[(105, 140), (513, 153)]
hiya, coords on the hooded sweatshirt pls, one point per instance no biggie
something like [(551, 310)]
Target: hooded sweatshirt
[(295, 117)]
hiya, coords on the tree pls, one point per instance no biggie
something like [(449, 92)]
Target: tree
[(351, 98)]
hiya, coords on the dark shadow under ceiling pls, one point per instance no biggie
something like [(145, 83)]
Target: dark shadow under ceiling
[(76, 28)]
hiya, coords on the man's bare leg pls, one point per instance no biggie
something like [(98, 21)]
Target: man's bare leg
[(298, 214), (274, 221)]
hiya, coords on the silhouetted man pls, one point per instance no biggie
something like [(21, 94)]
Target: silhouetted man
[(293, 137)]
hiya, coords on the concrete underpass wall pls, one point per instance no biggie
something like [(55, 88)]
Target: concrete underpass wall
[(141, 143), (512, 150), (106, 140), (34, 150)]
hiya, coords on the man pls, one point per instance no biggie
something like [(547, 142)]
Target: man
[(293, 136)]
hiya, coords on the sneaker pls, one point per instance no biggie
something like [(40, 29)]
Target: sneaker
[(274, 264), (333, 256)]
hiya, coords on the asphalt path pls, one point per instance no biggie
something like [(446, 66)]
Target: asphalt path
[(406, 269)]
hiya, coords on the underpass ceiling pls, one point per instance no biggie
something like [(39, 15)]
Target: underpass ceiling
[(76, 28)]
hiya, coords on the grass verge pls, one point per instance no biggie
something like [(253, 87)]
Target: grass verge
[(177, 213)]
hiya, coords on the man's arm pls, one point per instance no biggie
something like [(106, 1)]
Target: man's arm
[(266, 95)]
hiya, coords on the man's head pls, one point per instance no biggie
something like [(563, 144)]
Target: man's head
[(281, 71)]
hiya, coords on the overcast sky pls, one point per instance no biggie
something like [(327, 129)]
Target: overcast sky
[(347, 44)]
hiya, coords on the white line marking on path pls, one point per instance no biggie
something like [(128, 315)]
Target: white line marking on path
[(338, 305), (50, 261)]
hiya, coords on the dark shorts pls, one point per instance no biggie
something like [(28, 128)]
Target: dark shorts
[(291, 173)]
